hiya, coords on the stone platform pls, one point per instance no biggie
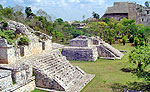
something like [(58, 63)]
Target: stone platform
[(80, 53), (52, 71), (85, 48)]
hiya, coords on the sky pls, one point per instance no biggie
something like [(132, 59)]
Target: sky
[(68, 10)]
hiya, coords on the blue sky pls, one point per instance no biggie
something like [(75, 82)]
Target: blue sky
[(67, 9)]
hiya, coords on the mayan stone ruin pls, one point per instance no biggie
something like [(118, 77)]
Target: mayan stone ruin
[(129, 10), (85, 48), (37, 65)]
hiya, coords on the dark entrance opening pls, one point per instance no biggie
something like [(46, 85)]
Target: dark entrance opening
[(43, 45)]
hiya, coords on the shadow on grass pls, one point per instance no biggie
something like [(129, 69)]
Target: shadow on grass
[(139, 74), (127, 70), (138, 86)]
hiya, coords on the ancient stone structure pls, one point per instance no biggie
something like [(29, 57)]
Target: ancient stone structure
[(17, 77), (89, 48), (129, 10), (37, 65), (80, 49)]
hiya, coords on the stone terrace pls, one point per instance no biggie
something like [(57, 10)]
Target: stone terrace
[(54, 72)]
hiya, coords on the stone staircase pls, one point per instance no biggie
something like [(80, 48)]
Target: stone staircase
[(106, 51), (53, 71)]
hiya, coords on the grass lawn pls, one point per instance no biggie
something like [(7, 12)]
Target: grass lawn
[(108, 74)]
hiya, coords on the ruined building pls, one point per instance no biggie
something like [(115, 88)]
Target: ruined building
[(37, 65), (85, 48), (129, 10)]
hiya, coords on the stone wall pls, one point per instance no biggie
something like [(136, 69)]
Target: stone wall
[(22, 75), (3, 55), (116, 16), (10, 54), (26, 86), (79, 43), (132, 11), (82, 54), (33, 48), (5, 79), (142, 19), (19, 74)]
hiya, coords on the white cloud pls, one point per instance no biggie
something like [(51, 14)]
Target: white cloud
[(2, 2)]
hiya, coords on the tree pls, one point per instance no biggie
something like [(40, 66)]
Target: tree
[(95, 15), (28, 11), (147, 4), (59, 20), (40, 12), (1, 7), (124, 39), (140, 57), (147, 34), (106, 20), (8, 12)]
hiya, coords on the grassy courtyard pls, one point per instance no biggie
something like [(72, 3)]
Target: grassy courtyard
[(109, 74)]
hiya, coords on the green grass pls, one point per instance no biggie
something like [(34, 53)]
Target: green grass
[(108, 73)]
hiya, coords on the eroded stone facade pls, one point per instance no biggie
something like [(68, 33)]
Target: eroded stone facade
[(129, 10)]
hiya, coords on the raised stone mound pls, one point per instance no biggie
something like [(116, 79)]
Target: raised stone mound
[(54, 72), (89, 48)]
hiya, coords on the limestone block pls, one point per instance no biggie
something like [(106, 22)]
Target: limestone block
[(5, 79), (82, 54), (26, 86)]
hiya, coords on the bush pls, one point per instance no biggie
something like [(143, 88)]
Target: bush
[(131, 40), (136, 40), (142, 42), (124, 39), (111, 40), (141, 59), (99, 57), (23, 41), (9, 35), (5, 24)]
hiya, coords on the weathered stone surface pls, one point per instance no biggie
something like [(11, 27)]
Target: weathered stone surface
[(20, 71), (54, 72), (129, 10), (80, 53), (10, 54), (5, 79), (57, 46), (51, 69), (105, 50), (26, 86), (86, 49)]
